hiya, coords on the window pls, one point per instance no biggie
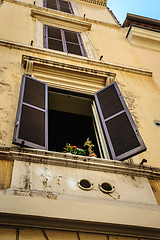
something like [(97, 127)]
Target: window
[(70, 119), (63, 40), (59, 5)]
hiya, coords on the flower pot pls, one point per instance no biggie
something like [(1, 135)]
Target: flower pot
[(93, 155)]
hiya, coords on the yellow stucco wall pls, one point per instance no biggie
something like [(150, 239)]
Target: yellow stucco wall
[(19, 26), (140, 90), (142, 93), (95, 12)]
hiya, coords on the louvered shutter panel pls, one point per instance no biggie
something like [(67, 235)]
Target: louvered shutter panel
[(31, 127), (122, 136)]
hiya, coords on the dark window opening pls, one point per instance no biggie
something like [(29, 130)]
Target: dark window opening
[(63, 40), (69, 121), (60, 5)]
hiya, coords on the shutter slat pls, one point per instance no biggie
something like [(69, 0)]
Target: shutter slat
[(31, 128), (121, 133)]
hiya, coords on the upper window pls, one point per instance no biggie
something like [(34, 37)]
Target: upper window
[(49, 118), (63, 40), (59, 5)]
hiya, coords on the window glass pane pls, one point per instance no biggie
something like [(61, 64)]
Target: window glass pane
[(67, 10), (51, 1), (52, 6), (73, 48), (54, 32), (71, 37), (63, 4), (55, 44)]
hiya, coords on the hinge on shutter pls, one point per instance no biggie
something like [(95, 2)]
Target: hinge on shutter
[(17, 123)]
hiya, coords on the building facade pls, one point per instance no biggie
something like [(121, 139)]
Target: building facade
[(68, 72)]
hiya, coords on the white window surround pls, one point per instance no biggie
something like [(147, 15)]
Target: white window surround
[(61, 22)]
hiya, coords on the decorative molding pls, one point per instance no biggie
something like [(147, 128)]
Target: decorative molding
[(76, 78), (63, 21), (82, 60), (97, 2), (26, 59), (81, 162), (28, 67), (36, 221), (143, 37)]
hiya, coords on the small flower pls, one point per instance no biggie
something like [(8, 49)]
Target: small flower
[(90, 145), (74, 147)]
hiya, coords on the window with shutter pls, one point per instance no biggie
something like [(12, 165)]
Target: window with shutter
[(32, 116), (63, 40), (69, 117), (60, 5), (122, 136)]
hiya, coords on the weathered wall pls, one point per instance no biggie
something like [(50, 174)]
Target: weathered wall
[(132, 203), (61, 183), (144, 101)]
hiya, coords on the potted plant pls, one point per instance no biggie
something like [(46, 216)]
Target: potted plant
[(90, 145), (74, 150)]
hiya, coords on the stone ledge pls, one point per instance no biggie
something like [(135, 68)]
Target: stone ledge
[(77, 161), (80, 25), (82, 60), (97, 2)]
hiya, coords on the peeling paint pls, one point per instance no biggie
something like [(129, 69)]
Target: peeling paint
[(27, 184), (3, 134), (45, 182)]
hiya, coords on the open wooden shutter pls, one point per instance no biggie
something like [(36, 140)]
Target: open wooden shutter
[(121, 133), (31, 127)]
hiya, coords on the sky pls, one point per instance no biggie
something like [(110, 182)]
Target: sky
[(146, 8)]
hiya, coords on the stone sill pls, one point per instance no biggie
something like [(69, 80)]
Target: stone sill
[(77, 161)]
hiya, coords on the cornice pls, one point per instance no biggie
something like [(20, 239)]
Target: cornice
[(97, 2), (144, 37), (61, 65), (76, 58), (74, 161), (73, 22)]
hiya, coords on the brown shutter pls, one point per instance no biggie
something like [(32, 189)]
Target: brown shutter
[(121, 133), (31, 127)]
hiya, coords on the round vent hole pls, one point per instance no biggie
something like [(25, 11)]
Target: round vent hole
[(106, 187), (85, 184)]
